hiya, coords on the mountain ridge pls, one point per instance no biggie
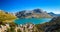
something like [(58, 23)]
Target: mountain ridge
[(36, 13), (53, 14)]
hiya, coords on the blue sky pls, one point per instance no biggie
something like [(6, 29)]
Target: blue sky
[(19, 5)]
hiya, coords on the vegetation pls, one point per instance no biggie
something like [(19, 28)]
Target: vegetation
[(6, 17)]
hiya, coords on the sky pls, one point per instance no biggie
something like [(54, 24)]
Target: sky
[(19, 5)]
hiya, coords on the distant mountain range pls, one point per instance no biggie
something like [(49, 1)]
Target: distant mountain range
[(36, 13), (53, 15)]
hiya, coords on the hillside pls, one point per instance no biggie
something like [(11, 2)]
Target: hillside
[(52, 26), (6, 17), (36, 13)]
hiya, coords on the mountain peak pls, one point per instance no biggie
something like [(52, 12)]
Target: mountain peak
[(51, 13), (38, 10)]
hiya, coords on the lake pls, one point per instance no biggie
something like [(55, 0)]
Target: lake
[(32, 20)]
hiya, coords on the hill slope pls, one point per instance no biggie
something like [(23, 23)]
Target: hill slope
[(5, 16), (52, 26)]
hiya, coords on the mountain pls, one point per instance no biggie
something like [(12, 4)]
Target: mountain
[(51, 26), (36, 13), (6, 17), (54, 25), (54, 15)]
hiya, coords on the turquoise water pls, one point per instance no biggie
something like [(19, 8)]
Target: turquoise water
[(32, 20)]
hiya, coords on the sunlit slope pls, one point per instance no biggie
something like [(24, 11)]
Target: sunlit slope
[(6, 17)]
